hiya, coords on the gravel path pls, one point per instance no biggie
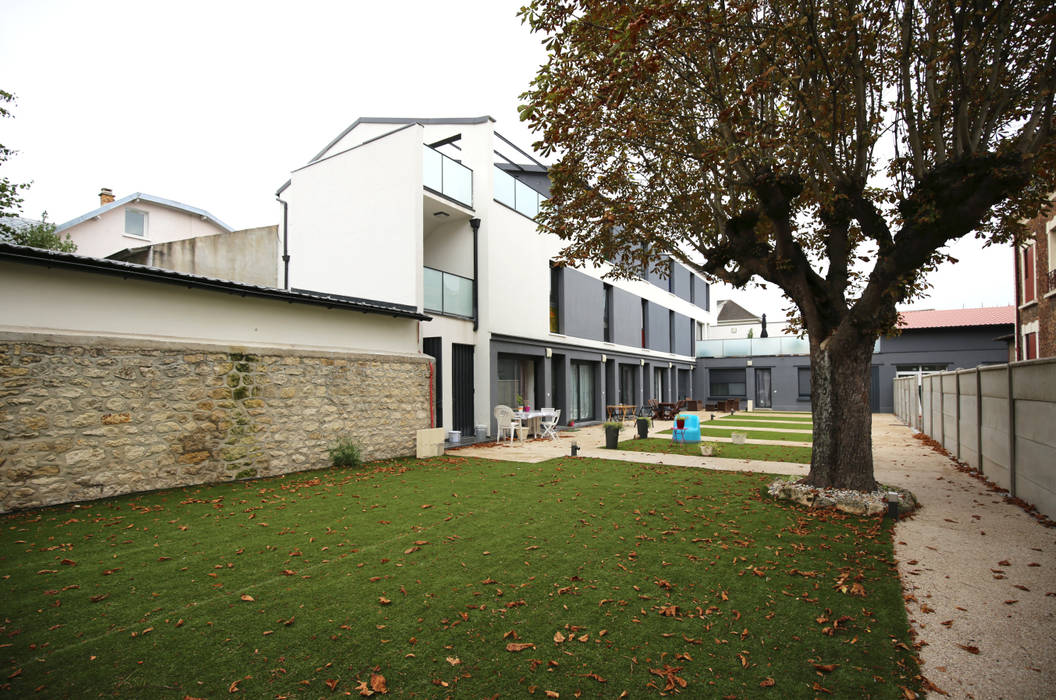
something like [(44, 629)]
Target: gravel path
[(979, 576)]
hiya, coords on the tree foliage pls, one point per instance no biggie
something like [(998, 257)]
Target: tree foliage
[(40, 234), (777, 139), (830, 148)]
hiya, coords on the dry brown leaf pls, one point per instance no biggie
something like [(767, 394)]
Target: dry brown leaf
[(826, 668), (559, 637), (969, 648), (519, 646), (454, 660), (383, 600), (377, 683), (767, 682), (246, 597)]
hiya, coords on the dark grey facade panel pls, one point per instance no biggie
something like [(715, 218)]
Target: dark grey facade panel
[(683, 335), (583, 303), (681, 277), (626, 318), (658, 334)]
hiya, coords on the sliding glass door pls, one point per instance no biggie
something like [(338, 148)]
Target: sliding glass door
[(581, 402)]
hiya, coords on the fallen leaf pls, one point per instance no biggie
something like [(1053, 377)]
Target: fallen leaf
[(767, 683), (519, 646), (969, 648), (826, 668), (454, 660), (246, 597), (233, 688), (559, 637), (383, 600)]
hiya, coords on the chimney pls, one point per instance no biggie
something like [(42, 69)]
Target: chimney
[(106, 195)]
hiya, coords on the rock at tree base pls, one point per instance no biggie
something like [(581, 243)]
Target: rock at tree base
[(844, 500)]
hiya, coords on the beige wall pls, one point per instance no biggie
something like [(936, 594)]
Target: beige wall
[(53, 300), (106, 235), (247, 256)]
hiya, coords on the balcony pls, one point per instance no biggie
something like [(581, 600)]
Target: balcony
[(758, 347), (447, 176), (516, 195), (447, 294)]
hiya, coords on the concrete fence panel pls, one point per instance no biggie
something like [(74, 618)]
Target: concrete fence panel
[(1000, 419)]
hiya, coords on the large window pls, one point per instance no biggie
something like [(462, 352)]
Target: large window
[(136, 223), (1030, 346), (555, 298), (581, 402), (606, 319), (727, 382), (658, 384), (671, 331), (803, 382), (515, 380), (627, 384), (645, 323)]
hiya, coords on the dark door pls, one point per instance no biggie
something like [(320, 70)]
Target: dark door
[(434, 347), (874, 389), (462, 388), (762, 388)]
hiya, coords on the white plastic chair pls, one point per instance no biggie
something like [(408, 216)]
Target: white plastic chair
[(507, 423), (549, 422)]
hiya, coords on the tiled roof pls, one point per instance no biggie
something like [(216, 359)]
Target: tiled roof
[(951, 318)]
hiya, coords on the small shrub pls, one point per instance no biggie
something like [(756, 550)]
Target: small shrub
[(614, 424), (345, 453)]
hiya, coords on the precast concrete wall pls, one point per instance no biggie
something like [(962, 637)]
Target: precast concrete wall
[(998, 419)]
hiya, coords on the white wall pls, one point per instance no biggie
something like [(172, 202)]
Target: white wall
[(355, 221), (106, 235), (453, 330), (54, 300)]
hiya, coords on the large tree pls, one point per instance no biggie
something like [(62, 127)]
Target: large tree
[(832, 148)]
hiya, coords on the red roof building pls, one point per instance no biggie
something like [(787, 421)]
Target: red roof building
[(958, 318)]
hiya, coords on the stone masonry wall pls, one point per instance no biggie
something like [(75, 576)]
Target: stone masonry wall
[(86, 418)]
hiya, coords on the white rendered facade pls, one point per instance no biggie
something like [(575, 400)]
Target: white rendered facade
[(379, 214)]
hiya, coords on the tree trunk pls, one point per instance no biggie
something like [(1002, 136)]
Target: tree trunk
[(839, 394)]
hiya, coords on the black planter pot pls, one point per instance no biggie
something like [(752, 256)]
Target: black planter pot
[(612, 437), (643, 428)]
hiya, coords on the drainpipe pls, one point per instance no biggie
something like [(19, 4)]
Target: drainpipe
[(475, 225), (285, 241), (1015, 332)]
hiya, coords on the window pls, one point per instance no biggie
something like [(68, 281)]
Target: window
[(627, 384), (700, 330), (658, 383), (645, 323), (136, 223), (581, 402), (555, 298), (607, 313), (727, 382), (671, 331), (1050, 231), (803, 381), (1028, 274), (1030, 346), (671, 276), (692, 289)]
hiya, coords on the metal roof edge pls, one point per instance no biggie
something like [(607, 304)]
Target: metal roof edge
[(141, 196)]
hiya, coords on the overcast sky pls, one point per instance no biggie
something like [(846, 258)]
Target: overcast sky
[(214, 103)]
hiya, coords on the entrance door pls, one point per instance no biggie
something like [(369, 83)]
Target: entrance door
[(581, 402), (434, 347), (762, 388), (462, 388)]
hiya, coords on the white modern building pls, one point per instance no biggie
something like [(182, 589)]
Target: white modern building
[(437, 216)]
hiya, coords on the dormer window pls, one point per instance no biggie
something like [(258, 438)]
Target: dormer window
[(136, 223)]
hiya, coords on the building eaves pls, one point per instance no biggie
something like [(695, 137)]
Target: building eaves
[(126, 270), (400, 120), (149, 198), (957, 318)]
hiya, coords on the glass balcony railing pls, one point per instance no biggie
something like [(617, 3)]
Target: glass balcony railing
[(448, 294), (447, 176), (517, 195), (757, 347)]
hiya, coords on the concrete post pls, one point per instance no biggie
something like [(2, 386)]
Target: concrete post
[(979, 419), (1011, 433), (957, 411)]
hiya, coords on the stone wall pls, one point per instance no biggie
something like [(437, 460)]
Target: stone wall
[(83, 418)]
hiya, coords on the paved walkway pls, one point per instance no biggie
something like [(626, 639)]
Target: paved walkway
[(979, 573)]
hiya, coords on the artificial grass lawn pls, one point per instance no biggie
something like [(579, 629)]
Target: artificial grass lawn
[(757, 424), (431, 573), (772, 453), (798, 417)]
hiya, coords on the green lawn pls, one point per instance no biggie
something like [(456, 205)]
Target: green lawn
[(803, 417), (757, 424), (772, 453), (707, 431), (453, 577)]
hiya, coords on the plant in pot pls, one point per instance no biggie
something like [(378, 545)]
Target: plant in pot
[(643, 424), (612, 433)]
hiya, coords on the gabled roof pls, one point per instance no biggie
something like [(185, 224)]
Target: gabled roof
[(127, 270), (149, 198), (954, 318), (730, 312), (399, 120)]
